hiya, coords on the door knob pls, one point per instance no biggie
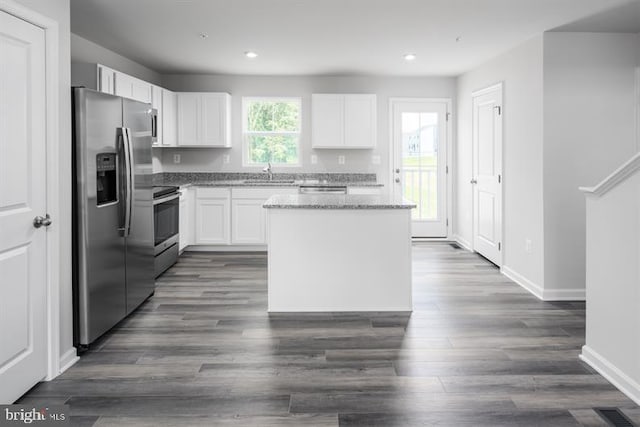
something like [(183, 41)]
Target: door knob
[(40, 221), (474, 181)]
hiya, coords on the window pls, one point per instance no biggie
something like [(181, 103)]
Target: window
[(271, 131)]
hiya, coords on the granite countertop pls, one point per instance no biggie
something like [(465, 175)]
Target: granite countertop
[(260, 180), (336, 201), (275, 183)]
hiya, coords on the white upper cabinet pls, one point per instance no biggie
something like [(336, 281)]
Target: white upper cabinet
[(343, 121), (133, 88), (169, 119), (327, 117), (106, 80), (204, 119)]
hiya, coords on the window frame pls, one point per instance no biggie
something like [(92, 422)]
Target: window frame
[(246, 100)]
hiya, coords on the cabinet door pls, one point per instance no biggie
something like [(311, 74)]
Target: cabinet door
[(248, 221), (188, 118), (141, 90), (214, 113), (123, 85), (184, 220), (212, 221), (359, 121), (106, 80), (327, 116), (169, 118)]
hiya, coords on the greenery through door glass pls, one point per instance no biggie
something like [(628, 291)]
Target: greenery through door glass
[(272, 130)]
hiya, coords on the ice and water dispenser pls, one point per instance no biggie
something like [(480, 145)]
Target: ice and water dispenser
[(106, 180)]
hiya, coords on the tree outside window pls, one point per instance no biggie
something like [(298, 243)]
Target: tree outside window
[(271, 131)]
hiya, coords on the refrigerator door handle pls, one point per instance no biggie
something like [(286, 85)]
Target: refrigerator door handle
[(129, 174), (127, 178)]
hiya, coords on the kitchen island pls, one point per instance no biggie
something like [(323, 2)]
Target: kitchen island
[(338, 253)]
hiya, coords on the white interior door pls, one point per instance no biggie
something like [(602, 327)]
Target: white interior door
[(420, 143), (23, 339), (487, 173)]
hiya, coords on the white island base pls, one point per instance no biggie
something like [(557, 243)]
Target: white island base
[(328, 260)]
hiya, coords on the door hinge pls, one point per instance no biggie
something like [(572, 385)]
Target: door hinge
[(448, 115), (499, 246), (447, 222), (499, 179), (446, 169), (499, 108)]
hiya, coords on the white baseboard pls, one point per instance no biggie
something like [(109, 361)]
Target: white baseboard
[(226, 248), (523, 281), (565, 295), (68, 359), (462, 242), (614, 375), (540, 292)]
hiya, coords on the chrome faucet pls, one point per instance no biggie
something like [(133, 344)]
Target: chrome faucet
[(267, 169)]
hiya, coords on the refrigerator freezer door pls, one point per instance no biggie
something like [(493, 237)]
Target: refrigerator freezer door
[(99, 273), (139, 252)]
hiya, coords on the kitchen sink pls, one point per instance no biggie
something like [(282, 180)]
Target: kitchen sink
[(267, 181)]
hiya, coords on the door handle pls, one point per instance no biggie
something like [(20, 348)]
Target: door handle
[(397, 170), (127, 174), (474, 181), (398, 180), (42, 221)]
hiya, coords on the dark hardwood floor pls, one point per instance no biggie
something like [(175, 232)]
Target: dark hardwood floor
[(478, 350)]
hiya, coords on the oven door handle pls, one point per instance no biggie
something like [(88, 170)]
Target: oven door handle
[(168, 198)]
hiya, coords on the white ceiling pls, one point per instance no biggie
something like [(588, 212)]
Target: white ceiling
[(622, 19), (302, 37)]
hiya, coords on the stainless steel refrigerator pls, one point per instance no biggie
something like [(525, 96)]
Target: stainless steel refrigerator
[(113, 253)]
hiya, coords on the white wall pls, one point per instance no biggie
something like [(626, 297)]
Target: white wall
[(59, 11), (520, 70), (208, 160), (589, 130), (83, 50)]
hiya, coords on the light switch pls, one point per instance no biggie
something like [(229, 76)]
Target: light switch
[(176, 158), (226, 159), (341, 160), (314, 159)]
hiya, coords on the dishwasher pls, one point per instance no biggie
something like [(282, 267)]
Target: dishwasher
[(323, 189)]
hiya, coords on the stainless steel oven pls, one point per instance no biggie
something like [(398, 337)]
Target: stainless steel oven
[(166, 223)]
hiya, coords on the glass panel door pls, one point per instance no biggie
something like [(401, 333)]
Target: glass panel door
[(420, 160)]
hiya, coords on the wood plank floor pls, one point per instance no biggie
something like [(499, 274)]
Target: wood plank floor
[(478, 350)]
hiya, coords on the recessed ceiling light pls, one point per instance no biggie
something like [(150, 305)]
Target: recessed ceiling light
[(203, 35), (410, 57), (250, 54)]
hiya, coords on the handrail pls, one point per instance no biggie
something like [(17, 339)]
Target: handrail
[(619, 175)]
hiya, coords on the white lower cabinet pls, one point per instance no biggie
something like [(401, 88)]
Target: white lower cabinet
[(248, 217), (213, 219), (225, 216), (247, 222)]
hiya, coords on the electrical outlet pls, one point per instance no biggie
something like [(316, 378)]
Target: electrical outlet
[(314, 159), (226, 159), (176, 158), (375, 159), (527, 246), (341, 160)]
